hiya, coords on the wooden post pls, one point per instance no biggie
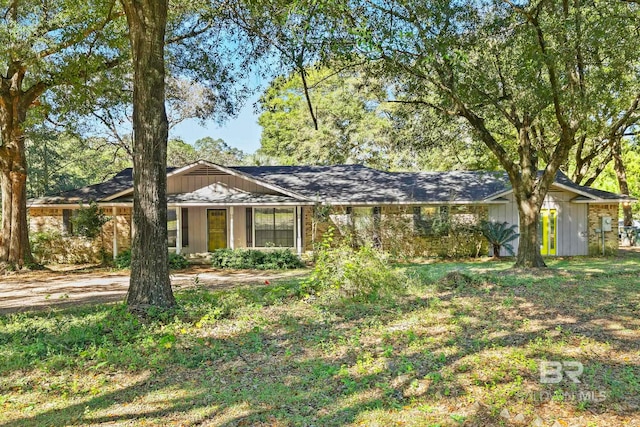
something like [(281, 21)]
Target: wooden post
[(114, 214), (178, 229), (231, 235), (299, 230)]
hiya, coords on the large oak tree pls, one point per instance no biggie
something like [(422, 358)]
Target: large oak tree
[(46, 51), (526, 76)]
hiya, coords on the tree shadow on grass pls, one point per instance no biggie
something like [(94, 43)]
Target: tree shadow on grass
[(358, 358)]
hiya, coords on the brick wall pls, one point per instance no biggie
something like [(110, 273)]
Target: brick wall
[(595, 214), (59, 248), (397, 232)]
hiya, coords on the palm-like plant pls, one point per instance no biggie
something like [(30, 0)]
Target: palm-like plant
[(499, 234)]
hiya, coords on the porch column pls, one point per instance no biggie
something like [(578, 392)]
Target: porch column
[(114, 214), (231, 236), (178, 229), (299, 230)]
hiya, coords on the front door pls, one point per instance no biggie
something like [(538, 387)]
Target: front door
[(548, 231), (217, 229)]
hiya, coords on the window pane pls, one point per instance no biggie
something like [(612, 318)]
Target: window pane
[(172, 227), (274, 227)]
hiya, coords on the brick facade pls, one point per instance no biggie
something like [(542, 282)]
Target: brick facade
[(59, 248), (397, 232), (595, 214)]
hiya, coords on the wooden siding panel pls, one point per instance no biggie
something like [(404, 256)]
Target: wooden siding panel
[(507, 212), (197, 230), (189, 183), (239, 227), (572, 231)]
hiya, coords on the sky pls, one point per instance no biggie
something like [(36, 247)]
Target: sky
[(242, 132)]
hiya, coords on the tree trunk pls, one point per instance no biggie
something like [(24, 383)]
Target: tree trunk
[(496, 251), (14, 241), (149, 283), (621, 174), (529, 246)]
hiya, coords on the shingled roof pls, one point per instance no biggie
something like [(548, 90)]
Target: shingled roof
[(357, 184), (340, 184)]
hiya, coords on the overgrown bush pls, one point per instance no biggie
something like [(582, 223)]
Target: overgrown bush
[(176, 261), (278, 259), (42, 244), (404, 235), (52, 247), (365, 272), (88, 221), (123, 260)]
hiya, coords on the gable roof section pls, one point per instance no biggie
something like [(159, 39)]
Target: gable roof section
[(585, 194), (213, 169), (96, 192)]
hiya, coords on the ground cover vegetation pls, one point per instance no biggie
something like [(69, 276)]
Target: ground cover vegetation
[(457, 343)]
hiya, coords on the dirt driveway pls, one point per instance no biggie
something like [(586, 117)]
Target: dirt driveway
[(62, 287)]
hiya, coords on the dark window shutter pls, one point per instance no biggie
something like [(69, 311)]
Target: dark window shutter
[(67, 225), (249, 231), (185, 227)]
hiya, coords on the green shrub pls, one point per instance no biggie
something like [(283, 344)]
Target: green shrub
[(499, 234), (42, 244), (88, 221), (123, 260), (365, 272), (52, 247), (176, 261), (237, 259)]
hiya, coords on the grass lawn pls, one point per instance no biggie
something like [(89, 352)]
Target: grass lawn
[(463, 346)]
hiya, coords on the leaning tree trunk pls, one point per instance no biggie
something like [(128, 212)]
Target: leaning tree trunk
[(149, 283), (14, 240), (529, 246)]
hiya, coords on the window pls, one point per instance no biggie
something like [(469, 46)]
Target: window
[(172, 227), (365, 223), (274, 227)]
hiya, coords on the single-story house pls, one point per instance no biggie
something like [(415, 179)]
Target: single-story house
[(212, 206)]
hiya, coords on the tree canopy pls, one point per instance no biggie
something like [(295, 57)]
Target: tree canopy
[(526, 77), (356, 123)]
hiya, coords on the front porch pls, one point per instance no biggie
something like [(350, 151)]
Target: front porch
[(205, 228)]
